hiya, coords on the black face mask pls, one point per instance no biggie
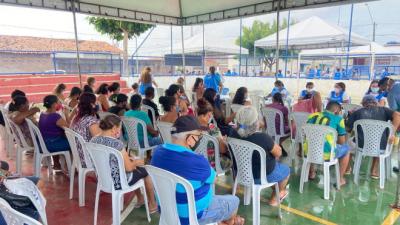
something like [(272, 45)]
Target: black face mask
[(96, 108), (196, 145)]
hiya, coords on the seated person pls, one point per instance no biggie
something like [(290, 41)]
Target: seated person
[(73, 98), (196, 169), (14, 94), (279, 88), (148, 100), (309, 100), (374, 89), (204, 116), (198, 88), (331, 117), (371, 110), (170, 107), (339, 94), (59, 92), (175, 91), (249, 130), (51, 126), (241, 97), (102, 99), (120, 107), (110, 133), (114, 90), (135, 112), (21, 106)]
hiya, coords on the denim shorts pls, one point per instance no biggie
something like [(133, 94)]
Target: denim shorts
[(58, 144), (341, 151), (221, 208)]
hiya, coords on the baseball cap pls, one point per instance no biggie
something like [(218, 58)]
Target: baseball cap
[(185, 124)]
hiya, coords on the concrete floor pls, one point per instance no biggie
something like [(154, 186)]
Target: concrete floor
[(365, 204)]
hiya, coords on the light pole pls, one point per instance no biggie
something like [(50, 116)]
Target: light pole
[(373, 22)]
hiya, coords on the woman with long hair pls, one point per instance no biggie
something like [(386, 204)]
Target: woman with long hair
[(241, 97), (375, 91), (102, 97), (73, 98), (198, 88), (59, 91), (169, 105), (175, 91), (146, 80), (339, 94)]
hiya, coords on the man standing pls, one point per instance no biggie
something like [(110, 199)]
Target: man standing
[(179, 158), (213, 80), (331, 117), (372, 111)]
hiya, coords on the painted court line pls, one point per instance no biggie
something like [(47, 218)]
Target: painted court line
[(391, 218), (292, 210)]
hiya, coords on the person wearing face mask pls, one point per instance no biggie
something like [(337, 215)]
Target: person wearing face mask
[(179, 158), (86, 121), (204, 117), (375, 91), (332, 117), (109, 136), (339, 94), (308, 92), (309, 100), (279, 88), (51, 126)]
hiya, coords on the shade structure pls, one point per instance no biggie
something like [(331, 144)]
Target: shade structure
[(216, 46), (313, 33), (177, 12), (373, 47)]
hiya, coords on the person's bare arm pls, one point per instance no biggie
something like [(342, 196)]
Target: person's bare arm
[(276, 151), (341, 139), (222, 144), (62, 123), (130, 163), (94, 129), (104, 103), (151, 130), (155, 84), (20, 118)]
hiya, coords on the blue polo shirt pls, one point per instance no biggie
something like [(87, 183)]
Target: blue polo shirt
[(212, 81), (193, 167)]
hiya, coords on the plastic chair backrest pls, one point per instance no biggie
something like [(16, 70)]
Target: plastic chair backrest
[(235, 107), (165, 184), (347, 107), (202, 150), (315, 136), (243, 152), (4, 112), (270, 115), (78, 149), (37, 137), (18, 135), (13, 217), (147, 109), (102, 115), (228, 103), (165, 131), (110, 179), (297, 120), (373, 131), (25, 187), (132, 127)]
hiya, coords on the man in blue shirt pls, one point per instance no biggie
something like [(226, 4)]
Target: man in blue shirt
[(180, 159), (213, 80), (385, 73)]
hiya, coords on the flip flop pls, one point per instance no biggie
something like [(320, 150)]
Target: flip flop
[(375, 177), (139, 205)]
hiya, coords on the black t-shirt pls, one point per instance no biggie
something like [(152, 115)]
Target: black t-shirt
[(152, 105), (116, 110), (266, 142), (373, 113)]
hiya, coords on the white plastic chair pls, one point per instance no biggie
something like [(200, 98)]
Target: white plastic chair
[(131, 126), (112, 180), (165, 131), (13, 217), (9, 142), (147, 109), (243, 151), (25, 187), (315, 135), (270, 114), (20, 142), (228, 103), (194, 101), (235, 107), (165, 184), (297, 120), (78, 149), (41, 151), (373, 131), (102, 115), (202, 150)]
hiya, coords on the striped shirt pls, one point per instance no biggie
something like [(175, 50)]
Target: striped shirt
[(194, 168)]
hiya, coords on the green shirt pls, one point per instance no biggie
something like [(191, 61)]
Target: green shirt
[(329, 119), (142, 116)]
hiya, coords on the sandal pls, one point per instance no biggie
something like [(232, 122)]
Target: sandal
[(152, 211), (238, 221)]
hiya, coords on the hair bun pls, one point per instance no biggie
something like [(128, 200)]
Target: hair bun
[(202, 103)]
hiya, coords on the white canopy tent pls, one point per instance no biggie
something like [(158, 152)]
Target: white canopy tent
[(372, 48), (312, 33)]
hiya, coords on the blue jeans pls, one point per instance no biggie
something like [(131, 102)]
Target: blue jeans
[(221, 208), (153, 141), (57, 144)]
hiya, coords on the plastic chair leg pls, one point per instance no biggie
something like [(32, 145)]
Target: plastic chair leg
[(302, 175), (96, 205), (388, 164), (356, 169), (234, 187), (382, 174), (337, 169), (71, 182), (327, 184), (256, 205), (247, 195), (116, 209), (19, 160), (81, 185), (146, 202)]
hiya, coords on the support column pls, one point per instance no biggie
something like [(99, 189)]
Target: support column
[(277, 37), (349, 40), (240, 49), (287, 43), (204, 54), (78, 60)]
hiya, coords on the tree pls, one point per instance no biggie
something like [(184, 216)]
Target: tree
[(119, 31), (257, 31)]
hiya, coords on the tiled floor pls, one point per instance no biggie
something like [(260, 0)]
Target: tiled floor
[(365, 204)]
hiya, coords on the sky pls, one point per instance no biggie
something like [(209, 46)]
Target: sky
[(56, 24)]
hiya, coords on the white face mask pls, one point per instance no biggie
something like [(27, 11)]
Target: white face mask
[(337, 90), (309, 90), (375, 89)]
